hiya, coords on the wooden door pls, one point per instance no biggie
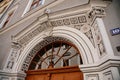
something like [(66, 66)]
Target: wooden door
[(55, 61), (66, 73)]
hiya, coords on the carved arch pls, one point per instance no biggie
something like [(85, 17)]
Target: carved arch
[(75, 36)]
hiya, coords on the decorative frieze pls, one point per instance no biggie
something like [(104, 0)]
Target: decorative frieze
[(30, 35), (70, 21)]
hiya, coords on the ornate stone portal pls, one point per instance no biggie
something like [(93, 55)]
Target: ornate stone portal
[(85, 23)]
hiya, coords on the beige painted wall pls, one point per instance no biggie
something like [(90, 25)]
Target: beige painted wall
[(112, 20)]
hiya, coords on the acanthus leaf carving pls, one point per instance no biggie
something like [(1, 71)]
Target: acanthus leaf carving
[(97, 11)]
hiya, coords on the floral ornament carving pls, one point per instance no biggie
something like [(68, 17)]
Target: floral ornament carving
[(96, 11), (85, 28)]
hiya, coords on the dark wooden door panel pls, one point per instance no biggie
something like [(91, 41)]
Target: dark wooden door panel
[(67, 76), (67, 73)]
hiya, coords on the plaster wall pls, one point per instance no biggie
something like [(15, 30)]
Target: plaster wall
[(111, 21)]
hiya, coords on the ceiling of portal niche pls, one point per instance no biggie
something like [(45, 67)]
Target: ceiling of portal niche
[(68, 4)]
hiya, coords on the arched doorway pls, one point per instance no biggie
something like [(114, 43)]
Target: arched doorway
[(57, 60), (63, 34)]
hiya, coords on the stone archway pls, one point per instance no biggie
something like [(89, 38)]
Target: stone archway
[(75, 36), (79, 39)]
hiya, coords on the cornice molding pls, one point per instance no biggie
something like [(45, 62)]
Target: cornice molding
[(25, 36), (100, 66), (12, 74)]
